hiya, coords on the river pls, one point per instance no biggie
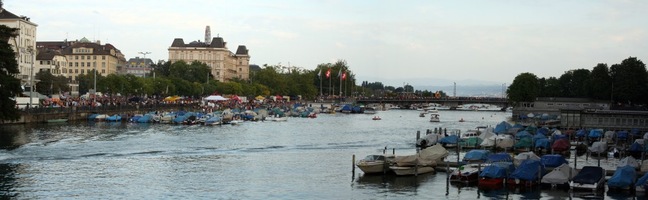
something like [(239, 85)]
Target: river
[(302, 158)]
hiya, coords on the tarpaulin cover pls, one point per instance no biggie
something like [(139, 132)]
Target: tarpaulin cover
[(623, 177), (502, 127), (500, 157), (581, 133), (561, 145), (543, 131), (622, 135), (523, 134), (589, 175), (628, 161), (539, 136), (598, 147), (525, 156), (553, 160), (642, 181), (595, 133), (529, 170), (452, 139), (476, 154), (525, 142), (497, 170), (542, 143), (559, 175)]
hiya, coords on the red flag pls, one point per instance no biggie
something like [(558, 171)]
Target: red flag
[(328, 73), (344, 76)]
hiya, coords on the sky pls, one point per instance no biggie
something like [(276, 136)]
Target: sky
[(424, 42)]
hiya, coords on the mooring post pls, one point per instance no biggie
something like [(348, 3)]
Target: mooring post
[(575, 160), (393, 151), (599, 159), (353, 164), (385, 149), (435, 130)]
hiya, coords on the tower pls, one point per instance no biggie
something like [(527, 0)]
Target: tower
[(207, 35)]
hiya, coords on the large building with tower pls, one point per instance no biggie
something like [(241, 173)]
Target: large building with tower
[(223, 64)]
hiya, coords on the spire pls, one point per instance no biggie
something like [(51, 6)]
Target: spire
[(207, 35)]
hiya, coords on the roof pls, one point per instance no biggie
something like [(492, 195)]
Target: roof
[(97, 48), (46, 54), (241, 50), (5, 14)]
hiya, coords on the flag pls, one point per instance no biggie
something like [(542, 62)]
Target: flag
[(344, 76), (340, 73), (319, 74), (328, 73)]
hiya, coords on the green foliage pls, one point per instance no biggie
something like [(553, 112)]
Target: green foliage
[(50, 84), (9, 85), (525, 87), (630, 81), (600, 83)]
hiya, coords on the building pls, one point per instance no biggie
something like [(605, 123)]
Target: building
[(24, 44), (83, 56), (139, 67), (552, 106), (224, 64), (57, 64)]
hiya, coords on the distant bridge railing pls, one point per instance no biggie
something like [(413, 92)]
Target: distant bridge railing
[(452, 100)]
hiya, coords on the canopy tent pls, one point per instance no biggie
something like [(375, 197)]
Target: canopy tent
[(235, 98), (260, 98), (36, 95), (215, 98), (172, 98)]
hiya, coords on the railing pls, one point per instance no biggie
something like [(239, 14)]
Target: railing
[(105, 108)]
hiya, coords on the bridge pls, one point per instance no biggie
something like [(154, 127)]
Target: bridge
[(446, 101)]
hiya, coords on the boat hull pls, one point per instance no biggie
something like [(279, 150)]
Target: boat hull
[(409, 171), (373, 167)]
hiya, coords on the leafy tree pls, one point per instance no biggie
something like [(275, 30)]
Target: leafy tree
[(600, 83), (50, 84), (9, 85), (524, 88), (574, 83), (629, 80)]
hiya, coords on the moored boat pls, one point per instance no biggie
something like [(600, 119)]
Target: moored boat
[(61, 120), (373, 164), (590, 177), (559, 176)]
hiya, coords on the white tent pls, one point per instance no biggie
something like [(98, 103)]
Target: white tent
[(215, 98)]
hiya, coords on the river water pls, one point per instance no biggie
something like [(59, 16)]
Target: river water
[(299, 159)]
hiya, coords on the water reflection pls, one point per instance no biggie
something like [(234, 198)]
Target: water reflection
[(8, 180), (393, 182), (12, 137)]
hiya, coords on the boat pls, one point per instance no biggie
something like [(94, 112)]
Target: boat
[(559, 176), (100, 117), (470, 139), (369, 110), (642, 183), (61, 120), (449, 141), (499, 166), (429, 140), (561, 146), (528, 173), (422, 114), (553, 160), (92, 117), (521, 157), (376, 118), (114, 118), (373, 164), (590, 177), (434, 118), (420, 163), (215, 120), (597, 149), (462, 120), (623, 179), (469, 173)]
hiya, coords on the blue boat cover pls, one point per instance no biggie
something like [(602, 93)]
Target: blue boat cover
[(497, 170), (558, 137), (500, 157), (452, 139), (553, 160), (635, 147), (635, 132), (623, 177), (522, 134), (538, 136), (642, 181), (502, 127), (543, 131), (346, 107), (542, 143), (589, 175), (518, 126), (622, 135), (476, 154), (581, 133), (93, 116), (595, 133), (528, 170)]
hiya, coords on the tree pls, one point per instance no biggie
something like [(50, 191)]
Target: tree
[(524, 88), (600, 83), (629, 80), (574, 83), (9, 84)]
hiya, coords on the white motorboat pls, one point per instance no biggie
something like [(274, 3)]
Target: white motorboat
[(420, 163), (370, 110), (434, 118), (411, 170), (374, 164)]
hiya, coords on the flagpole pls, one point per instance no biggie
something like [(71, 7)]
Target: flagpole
[(330, 80), (319, 75), (340, 75)]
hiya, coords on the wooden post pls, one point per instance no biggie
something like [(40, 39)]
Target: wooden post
[(393, 151), (575, 160), (385, 149), (457, 149), (435, 130), (599, 159), (353, 164)]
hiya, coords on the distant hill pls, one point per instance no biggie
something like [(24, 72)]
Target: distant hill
[(466, 87), (466, 90)]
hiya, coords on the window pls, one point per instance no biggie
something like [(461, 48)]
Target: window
[(76, 71), (94, 57), (240, 69), (82, 64), (103, 57), (82, 71), (103, 71), (76, 57), (88, 64)]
